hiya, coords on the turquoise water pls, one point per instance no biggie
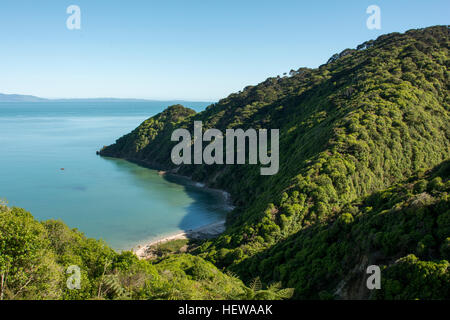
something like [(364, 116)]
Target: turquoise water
[(115, 200)]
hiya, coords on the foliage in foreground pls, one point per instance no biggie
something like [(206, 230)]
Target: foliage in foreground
[(34, 257)]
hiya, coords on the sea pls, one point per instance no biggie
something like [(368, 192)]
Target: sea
[(49, 166)]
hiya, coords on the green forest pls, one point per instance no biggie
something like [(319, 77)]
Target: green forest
[(363, 180)]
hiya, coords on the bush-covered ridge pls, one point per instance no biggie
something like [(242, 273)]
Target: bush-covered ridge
[(369, 118), (404, 229)]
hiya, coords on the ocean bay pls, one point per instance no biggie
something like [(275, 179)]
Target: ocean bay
[(112, 199)]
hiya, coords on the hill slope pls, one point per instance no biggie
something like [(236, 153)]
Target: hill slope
[(368, 119)]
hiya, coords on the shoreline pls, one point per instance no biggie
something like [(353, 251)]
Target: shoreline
[(204, 232), (174, 173), (224, 194)]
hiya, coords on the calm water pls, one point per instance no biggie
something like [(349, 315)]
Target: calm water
[(117, 201)]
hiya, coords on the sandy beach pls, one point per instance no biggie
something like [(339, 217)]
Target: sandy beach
[(204, 232)]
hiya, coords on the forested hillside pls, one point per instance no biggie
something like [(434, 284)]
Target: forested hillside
[(370, 118), (404, 229)]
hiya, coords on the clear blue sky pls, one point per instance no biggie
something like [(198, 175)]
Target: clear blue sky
[(189, 49)]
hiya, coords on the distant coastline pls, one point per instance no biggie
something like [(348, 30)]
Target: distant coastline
[(10, 98)]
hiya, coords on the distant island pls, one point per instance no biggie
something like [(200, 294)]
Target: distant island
[(19, 98)]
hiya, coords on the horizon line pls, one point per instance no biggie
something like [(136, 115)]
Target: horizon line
[(104, 98)]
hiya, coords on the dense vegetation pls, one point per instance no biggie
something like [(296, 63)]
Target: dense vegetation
[(370, 118), (363, 179), (404, 229), (35, 257)]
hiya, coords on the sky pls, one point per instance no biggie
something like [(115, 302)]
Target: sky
[(188, 50)]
